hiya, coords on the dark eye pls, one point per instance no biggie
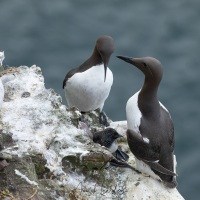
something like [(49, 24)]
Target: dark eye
[(144, 64)]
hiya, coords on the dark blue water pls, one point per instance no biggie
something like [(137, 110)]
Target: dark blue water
[(59, 35)]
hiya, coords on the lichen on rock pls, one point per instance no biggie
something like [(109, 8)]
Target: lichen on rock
[(45, 153)]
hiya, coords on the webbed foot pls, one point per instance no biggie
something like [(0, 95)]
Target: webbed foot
[(120, 155)]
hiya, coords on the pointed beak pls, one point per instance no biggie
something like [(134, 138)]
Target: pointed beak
[(105, 70), (134, 61), (118, 135), (105, 62), (127, 59)]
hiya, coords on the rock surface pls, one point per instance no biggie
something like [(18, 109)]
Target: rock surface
[(46, 153), (1, 59)]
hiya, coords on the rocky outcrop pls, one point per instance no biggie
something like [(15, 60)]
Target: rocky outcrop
[(46, 153)]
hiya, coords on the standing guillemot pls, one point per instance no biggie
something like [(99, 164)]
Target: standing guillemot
[(150, 133), (88, 86)]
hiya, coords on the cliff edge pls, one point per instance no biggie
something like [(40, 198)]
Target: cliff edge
[(46, 153)]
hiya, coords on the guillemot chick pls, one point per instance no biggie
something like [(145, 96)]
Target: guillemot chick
[(88, 86), (108, 138), (150, 133)]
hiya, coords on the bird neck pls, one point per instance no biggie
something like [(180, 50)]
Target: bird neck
[(93, 60), (96, 57), (147, 100)]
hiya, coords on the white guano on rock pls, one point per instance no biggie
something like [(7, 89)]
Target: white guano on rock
[(40, 124)]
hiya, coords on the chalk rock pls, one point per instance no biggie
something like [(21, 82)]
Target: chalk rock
[(1, 84), (1, 93), (44, 154), (1, 58)]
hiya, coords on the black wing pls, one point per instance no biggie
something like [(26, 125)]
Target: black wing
[(69, 75)]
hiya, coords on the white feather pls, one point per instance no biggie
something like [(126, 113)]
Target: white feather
[(113, 147), (87, 90), (146, 140), (133, 113), (175, 163), (164, 108), (144, 168)]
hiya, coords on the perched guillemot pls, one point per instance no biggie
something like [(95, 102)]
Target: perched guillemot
[(108, 138), (150, 133), (88, 86)]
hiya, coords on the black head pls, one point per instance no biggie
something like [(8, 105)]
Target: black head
[(150, 66), (105, 47), (106, 137), (112, 134)]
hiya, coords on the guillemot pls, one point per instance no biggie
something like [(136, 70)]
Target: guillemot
[(108, 138), (150, 133), (88, 86)]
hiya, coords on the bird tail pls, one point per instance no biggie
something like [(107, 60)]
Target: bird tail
[(157, 167)]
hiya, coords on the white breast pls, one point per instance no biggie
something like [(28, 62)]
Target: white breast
[(144, 168), (87, 90), (133, 113), (113, 147)]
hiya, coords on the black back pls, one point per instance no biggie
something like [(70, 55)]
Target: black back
[(106, 137)]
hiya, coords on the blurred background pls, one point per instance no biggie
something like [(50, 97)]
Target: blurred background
[(60, 35)]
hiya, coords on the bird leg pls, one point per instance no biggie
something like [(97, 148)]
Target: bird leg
[(103, 119), (122, 164)]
